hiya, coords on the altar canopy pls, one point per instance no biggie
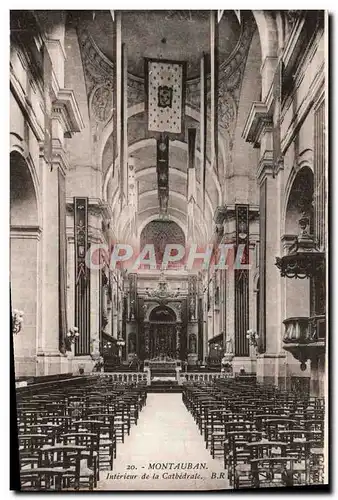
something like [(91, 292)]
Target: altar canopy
[(164, 89)]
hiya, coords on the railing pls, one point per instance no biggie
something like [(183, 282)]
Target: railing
[(195, 377), (128, 377)]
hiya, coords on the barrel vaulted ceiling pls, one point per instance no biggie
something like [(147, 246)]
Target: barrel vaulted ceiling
[(173, 35)]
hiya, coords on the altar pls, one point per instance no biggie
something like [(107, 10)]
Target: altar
[(163, 364)]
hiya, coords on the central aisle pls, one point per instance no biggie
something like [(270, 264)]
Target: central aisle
[(166, 436)]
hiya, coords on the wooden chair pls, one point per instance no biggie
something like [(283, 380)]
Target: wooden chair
[(238, 459), (41, 479), (29, 448), (90, 441), (103, 424), (73, 459)]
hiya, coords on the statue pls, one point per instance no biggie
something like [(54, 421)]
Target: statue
[(192, 343), (227, 357), (229, 346)]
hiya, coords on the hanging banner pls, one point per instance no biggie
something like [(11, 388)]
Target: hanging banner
[(82, 276), (81, 236), (242, 281), (163, 173), (242, 231), (165, 95)]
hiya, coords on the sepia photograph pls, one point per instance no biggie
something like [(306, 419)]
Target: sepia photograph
[(169, 232)]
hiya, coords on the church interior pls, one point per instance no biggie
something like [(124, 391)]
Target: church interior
[(168, 244)]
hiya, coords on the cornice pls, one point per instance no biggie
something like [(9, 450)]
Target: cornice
[(59, 156), (265, 166), (95, 207), (259, 116), (228, 212), (65, 105), (25, 232)]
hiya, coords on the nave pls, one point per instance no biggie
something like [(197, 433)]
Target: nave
[(168, 245), (167, 436), (225, 433)]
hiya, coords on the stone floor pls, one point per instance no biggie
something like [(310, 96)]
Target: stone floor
[(165, 436)]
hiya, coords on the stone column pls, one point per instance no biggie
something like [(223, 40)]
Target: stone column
[(95, 237), (25, 243), (318, 377), (178, 340), (65, 120), (271, 358), (229, 279), (131, 328), (146, 340), (50, 360), (192, 330), (48, 355)]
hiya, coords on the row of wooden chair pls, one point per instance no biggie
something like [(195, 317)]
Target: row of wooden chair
[(265, 436), (68, 436)]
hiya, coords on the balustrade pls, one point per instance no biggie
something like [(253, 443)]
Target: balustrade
[(195, 377), (128, 377)]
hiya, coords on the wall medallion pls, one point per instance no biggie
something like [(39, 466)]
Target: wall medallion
[(102, 102)]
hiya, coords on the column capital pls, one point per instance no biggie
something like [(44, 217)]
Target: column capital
[(65, 109), (265, 166), (96, 207), (258, 122), (228, 212)]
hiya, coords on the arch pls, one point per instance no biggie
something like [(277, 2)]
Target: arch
[(179, 173), (161, 233), (305, 159), (155, 217), (20, 146), (25, 235), (267, 30), (156, 304), (269, 40), (299, 199), (306, 162), (138, 108), (24, 206), (162, 313)]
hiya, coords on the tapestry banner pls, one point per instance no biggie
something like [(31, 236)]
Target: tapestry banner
[(165, 95)]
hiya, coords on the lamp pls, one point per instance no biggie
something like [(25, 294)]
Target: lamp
[(252, 336), (71, 335)]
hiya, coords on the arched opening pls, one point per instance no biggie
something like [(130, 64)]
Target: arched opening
[(23, 201), (24, 246), (299, 204), (161, 233), (162, 341), (300, 201)]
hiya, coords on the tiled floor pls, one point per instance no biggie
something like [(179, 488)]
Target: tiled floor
[(166, 435)]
